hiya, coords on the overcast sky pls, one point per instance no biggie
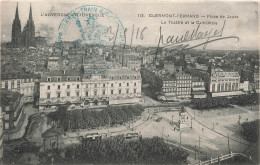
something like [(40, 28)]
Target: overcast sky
[(245, 27)]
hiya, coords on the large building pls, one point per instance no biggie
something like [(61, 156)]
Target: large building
[(198, 89), (223, 83), (166, 85), (25, 37), (112, 86), (19, 82), (184, 83), (59, 87), (12, 106)]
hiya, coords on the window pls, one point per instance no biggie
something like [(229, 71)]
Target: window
[(59, 79), (95, 93), (86, 85), (58, 95), (68, 79), (68, 94), (68, 86), (18, 84), (78, 78), (58, 86), (127, 90), (95, 85), (135, 77), (104, 85), (112, 78), (112, 92), (120, 77), (135, 84), (134, 90), (120, 84), (104, 92), (77, 93), (6, 84), (48, 95), (119, 91), (127, 84), (86, 93), (78, 86), (48, 87), (112, 85), (12, 84), (48, 79)]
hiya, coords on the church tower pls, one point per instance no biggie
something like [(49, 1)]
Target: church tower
[(28, 33), (16, 30)]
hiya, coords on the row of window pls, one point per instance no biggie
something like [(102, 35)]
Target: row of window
[(104, 85), (183, 85), (59, 79), (120, 77), (183, 77), (18, 83), (225, 87), (169, 89), (184, 81), (78, 78), (183, 89), (87, 93), (184, 93)]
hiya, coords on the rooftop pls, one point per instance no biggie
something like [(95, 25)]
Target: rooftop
[(62, 73)]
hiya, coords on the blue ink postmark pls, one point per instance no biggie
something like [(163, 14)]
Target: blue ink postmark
[(91, 24)]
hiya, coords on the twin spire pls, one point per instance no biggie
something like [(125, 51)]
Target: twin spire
[(17, 13)]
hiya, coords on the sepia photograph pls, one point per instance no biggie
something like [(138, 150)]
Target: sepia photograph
[(140, 82)]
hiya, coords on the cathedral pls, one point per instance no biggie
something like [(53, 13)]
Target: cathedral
[(27, 36)]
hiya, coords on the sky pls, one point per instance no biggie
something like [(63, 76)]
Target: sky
[(244, 26)]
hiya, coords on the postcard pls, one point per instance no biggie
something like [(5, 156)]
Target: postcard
[(140, 82)]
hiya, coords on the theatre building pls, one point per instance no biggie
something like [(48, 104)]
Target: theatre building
[(224, 83)]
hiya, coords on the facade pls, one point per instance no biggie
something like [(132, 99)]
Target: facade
[(184, 83), (224, 83), (59, 87), (17, 82), (53, 63), (25, 37), (113, 86), (168, 88), (198, 89), (12, 109)]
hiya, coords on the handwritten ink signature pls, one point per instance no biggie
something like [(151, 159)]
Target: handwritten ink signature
[(180, 42)]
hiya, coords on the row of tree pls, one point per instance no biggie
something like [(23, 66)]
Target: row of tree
[(250, 130), (223, 102), (245, 99), (208, 103), (118, 150), (84, 119)]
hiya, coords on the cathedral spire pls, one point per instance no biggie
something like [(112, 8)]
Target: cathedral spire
[(16, 13), (30, 15)]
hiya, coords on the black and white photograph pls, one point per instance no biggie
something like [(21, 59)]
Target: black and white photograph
[(129, 82)]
